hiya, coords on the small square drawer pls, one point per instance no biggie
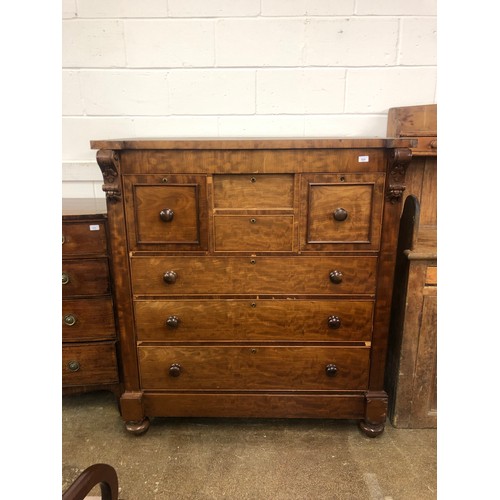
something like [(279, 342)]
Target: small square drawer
[(256, 233), (84, 364), (88, 319), (85, 277), (253, 192), (344, 212), (166, 212), (83, 238)]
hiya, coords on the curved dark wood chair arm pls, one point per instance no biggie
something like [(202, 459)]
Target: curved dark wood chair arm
[(101, 474)]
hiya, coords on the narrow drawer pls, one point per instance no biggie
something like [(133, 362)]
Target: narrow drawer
[(277, 368), (253, 275), (86, 364), (259, 319), (85, 277), (253, 192), (257, 233), (88, 319), (84, 237)]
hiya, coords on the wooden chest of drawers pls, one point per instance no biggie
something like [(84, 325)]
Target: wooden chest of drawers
[(89, 359), (254, 277)]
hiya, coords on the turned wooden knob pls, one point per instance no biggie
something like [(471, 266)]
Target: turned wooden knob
[(336, 277), (172, 322), (174, 370), (340, 214), (170, 277), (331, 370), (334, 322), (166, 215)]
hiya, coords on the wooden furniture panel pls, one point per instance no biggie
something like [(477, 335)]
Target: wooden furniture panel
[(84, 238), (256, 367), (85, 277), (411, 376), (89, 364), (254, 192), (88, 315), (210, 320), (343, 209), (274, 310), (257, 233), (253, 275), (166, 211), (91, 319)]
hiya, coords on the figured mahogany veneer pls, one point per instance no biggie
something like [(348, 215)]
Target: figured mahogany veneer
[(253, 277)]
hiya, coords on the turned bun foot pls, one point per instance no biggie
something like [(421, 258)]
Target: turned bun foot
[(371, 430), (137, 427)]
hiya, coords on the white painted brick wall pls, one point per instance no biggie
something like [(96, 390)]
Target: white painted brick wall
[(237, 68)]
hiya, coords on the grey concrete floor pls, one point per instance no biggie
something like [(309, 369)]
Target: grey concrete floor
[(237, 459)]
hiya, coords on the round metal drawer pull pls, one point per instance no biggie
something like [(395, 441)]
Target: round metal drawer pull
[(170, 277), (172, 322), (65, 278), (174, 370), (166, 215), (253, 221), (253, 179), (334, 322), (336, 277), (73, 366), (331, 370), (69, 319), (340, 214), (63, 239)]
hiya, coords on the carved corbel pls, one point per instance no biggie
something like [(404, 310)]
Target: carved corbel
[(107, 160), (398, 163)]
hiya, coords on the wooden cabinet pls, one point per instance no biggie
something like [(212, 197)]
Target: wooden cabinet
[(254, 277), (412, 363), (89, 358)]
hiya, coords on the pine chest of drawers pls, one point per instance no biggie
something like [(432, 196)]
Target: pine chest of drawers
[(89, 360), (253, 277)]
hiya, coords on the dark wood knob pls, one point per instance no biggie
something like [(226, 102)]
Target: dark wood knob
[(174, 370), (170, 277), (336, 277), (172, 322), (166, 215), (434, 144), (331, 370), (340, 214), (334, 322)]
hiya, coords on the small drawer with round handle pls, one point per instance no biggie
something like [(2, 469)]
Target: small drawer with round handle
[(87, 364)]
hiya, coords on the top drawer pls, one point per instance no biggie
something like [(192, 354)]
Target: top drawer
[(253, 192), (83, 237)]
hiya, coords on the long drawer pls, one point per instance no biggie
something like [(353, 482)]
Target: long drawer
[(253, 275), (88, 319), (231, 319), (86, 364), (276, 368)]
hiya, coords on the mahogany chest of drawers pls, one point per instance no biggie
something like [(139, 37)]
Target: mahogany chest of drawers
[(253, 277), (89, 359)]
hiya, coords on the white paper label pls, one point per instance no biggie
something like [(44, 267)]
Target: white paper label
[(363, 159), (94, 227)]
